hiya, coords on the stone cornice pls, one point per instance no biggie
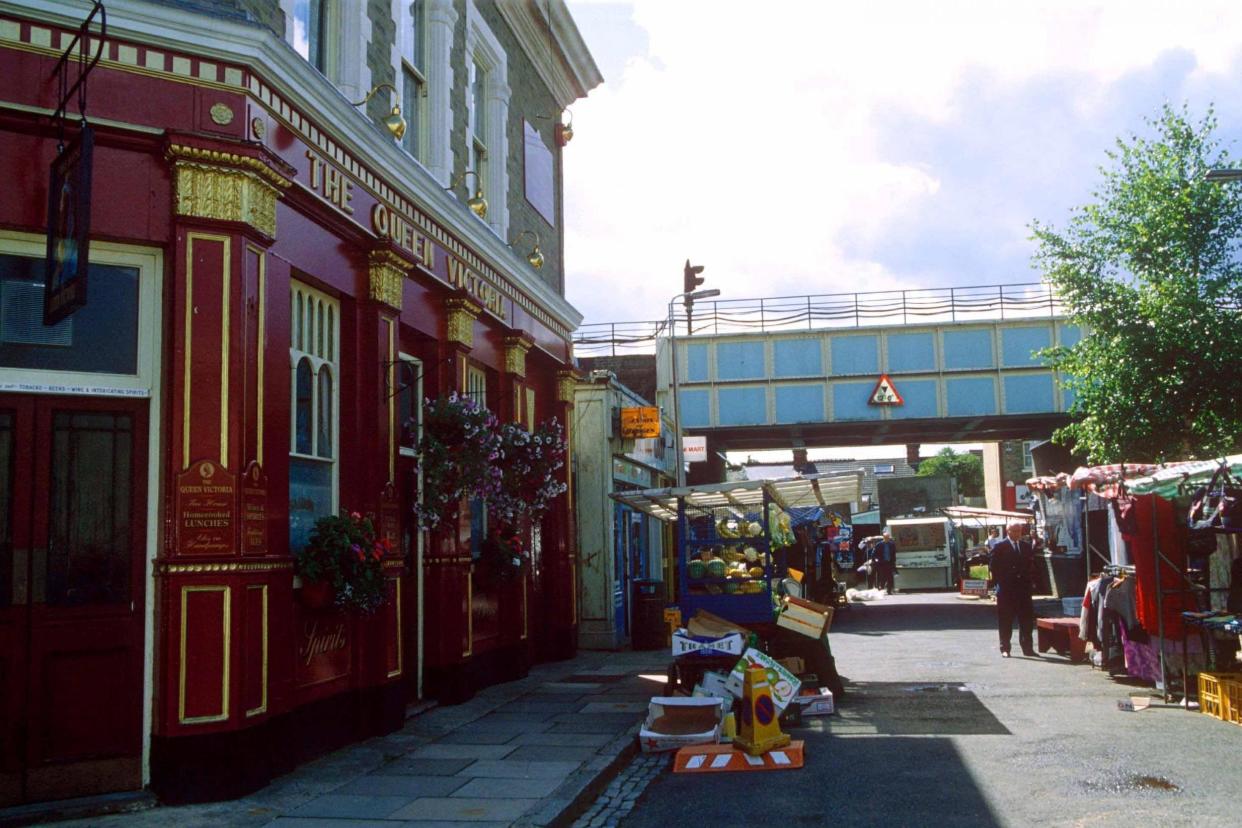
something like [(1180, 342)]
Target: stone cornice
[(262, 51), (575, 73)]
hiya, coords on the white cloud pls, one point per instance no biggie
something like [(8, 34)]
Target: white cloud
[(751, 137)]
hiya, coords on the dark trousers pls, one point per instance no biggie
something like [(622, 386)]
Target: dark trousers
[(1015, 604), (884, 576)]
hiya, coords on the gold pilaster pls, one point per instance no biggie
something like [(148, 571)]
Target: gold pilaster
[(224, 186), (566, 381), (516, 348), (387, 271), (459, 323)]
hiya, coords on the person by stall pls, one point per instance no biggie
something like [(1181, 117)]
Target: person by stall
[(1013, 570), (885, 555)]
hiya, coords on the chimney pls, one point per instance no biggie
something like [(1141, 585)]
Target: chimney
[(912, 455)]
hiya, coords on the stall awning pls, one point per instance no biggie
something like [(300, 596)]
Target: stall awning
[(744, 496), (1165, 482), (988, 516)]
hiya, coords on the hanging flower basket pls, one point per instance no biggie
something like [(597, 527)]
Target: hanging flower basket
[(532, 464), (342, 564), (459, 457), (503, 559)]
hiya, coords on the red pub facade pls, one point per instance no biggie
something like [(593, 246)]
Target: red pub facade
[(275, 285)]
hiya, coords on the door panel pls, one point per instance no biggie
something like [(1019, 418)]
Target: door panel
[(79, 627)]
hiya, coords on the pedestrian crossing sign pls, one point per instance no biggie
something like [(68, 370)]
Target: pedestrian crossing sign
[(885, 393)]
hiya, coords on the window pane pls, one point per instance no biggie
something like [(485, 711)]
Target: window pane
[(302, 408), (321, 351), (331, 355), (297, 322), (478, 82), (89, 532), (407, 399), (478, 527), (101, 336), (325, 413), (301, 27), (411, 93), (310, 497), (316, 34), (416, 34)]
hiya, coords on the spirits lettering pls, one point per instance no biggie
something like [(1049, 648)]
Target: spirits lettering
[(317, 642)]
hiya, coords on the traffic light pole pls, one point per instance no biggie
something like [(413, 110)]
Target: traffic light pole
[(687, 296)]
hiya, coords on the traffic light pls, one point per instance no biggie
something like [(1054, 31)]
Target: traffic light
[(693, 279)]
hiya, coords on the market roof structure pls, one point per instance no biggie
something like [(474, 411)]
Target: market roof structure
[(744, 496)]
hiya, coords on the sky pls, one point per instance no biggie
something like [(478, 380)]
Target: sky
[(811, 147)]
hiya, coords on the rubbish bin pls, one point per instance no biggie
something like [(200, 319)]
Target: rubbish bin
[(649, 627)]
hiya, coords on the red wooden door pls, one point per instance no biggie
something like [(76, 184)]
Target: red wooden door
[(73, 526)]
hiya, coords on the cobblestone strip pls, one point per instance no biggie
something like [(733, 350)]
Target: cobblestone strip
[(618, 798)]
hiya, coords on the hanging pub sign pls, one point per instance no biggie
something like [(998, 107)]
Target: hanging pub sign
[(885, 393), (640, 422), (68, 228)]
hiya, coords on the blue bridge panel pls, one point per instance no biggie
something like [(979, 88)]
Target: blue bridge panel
[(970, 396), (1067, 398), (742, 406), (695, 407), (855, 355), (909, 352), (739, 360), (922, 399), (797, 358), (967, 349), (800, 403), (1029, 394), (1019, 344), (696, 361), (1070, 334), (849, 401)]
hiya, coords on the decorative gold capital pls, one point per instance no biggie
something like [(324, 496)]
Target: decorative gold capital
[(516, 348), (387, 277), (460, 315), (225, 186), (566, 382)]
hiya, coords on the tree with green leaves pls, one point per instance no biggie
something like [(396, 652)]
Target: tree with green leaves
[(966, 468), (1149, 271)]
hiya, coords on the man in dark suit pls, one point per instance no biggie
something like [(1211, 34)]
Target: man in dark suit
[(885, 555), (1013, 569)]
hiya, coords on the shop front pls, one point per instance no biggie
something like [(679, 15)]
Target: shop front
[(269, 304)]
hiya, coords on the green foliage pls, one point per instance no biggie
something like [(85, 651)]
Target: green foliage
[(1149, 271), (965, 468)]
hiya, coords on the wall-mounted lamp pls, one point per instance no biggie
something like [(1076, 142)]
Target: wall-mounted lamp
[(393, 120), (535, 256), (563, 132), (477, 203)]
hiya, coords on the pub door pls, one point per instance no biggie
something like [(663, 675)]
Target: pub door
[(73, 502)]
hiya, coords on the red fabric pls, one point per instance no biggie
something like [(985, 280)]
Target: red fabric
[(1172, 537)]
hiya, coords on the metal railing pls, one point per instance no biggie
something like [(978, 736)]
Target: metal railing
[(826, 311)]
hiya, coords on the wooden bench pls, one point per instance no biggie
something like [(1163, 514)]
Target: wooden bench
[(1061, 634)]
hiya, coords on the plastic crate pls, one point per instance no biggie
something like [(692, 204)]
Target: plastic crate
[(1212, 698), (1231, 691)]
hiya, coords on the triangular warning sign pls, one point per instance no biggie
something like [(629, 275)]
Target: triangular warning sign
[(885, 393)]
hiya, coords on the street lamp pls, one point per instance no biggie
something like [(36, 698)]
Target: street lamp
[(688, 297)]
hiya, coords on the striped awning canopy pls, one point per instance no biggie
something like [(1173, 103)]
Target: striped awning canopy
[(1139, 478), (746, 496)]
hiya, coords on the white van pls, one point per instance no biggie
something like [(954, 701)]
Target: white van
[(928, 553)]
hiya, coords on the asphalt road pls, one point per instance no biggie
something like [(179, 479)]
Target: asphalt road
[(937, 729)]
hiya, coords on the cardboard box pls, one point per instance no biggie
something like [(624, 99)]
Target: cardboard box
[(783, 684), (674, 722), (686, 644), (706, 625), (818, 703), (793, 664), (974, 586), (805, 617), (715, 684)]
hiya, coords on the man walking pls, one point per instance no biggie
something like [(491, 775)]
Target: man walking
[(1013, 569), (885, 554)]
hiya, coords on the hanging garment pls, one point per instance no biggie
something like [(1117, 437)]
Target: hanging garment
[(1089, 619), (1143, 545), (1120, 599), (1117, 551)]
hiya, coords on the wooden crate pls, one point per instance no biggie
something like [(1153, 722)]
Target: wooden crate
[(1231, 695), (805, 617), (1212, 696)]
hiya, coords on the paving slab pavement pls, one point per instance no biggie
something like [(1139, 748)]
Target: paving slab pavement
[(528, 753)]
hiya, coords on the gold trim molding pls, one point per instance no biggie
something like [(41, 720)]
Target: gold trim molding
[(206, 568), (387, 271), (566, 382), (224, 186), (460, 314), (516, 349)]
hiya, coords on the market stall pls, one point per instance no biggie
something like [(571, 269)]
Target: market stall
[(972, 525), (730, 537), (1170, 562)]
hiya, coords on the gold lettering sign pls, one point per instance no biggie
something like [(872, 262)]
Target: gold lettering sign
[(390, 225), (206, 509), (331, 183), (640, 422)]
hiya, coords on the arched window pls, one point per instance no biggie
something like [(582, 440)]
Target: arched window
[(323, 413), (303, 417)]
